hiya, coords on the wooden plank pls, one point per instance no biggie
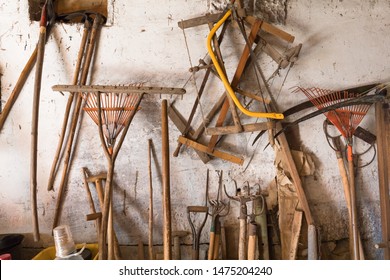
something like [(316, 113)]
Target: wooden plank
[(215, 153), (382, 115), (295, 233), (178, 120), (184, 24), (292, 169), (271, 29), (246, 128), (119, 89)]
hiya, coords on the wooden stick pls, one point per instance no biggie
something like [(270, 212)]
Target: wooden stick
[(312, 243), (110, 233), (181, 124), (356, 252), (217, 239), (90, 200), (80, 56), (111, 157), (382, 117), (215, 153), (223, 130), (76, 113), (199, 20), (223, 243), (252, 231), (150, 247), (167, 227), (141, 253), (119, 89), (347, 195), (18, 87), (273, 30), (34, 123)]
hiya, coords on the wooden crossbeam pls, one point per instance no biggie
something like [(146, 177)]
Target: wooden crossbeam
[(246, 128), (181, 125), (119, 89), (184, 24), (215, 153), (271, 29)]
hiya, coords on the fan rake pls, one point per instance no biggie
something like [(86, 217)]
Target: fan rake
[(112, 108), (346, 119)]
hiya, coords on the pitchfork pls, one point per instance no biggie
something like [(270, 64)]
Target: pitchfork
[(219, 208)]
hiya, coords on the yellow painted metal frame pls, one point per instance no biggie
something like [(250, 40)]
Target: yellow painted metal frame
[(225, 80)]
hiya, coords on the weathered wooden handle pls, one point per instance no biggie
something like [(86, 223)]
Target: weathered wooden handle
[(197, 209)]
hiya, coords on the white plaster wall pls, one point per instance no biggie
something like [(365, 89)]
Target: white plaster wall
[(345, 44)]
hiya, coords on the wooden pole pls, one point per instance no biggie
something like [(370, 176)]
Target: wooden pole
[(382, 116), (356, 252), (75, 118), (312, 243), (80, 56), (150, 247), (252, 241), (167, 228), (34, 123)]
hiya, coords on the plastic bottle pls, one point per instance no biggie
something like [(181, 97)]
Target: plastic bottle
[(65, 247)]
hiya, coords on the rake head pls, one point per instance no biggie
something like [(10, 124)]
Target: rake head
[(116, 109), (347, 118)]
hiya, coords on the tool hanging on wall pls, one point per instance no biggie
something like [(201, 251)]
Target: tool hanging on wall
[(352, 92), (230, 99), (346, 119), (112, 108)]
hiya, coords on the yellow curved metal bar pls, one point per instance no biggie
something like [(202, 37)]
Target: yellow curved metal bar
[(225, 80)]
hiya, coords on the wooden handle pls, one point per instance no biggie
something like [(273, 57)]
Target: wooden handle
[(94, 216), (197, 209), (217, 239), (150, 239), (242, 244), (356, 251), (211, 245), (167, 227)]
